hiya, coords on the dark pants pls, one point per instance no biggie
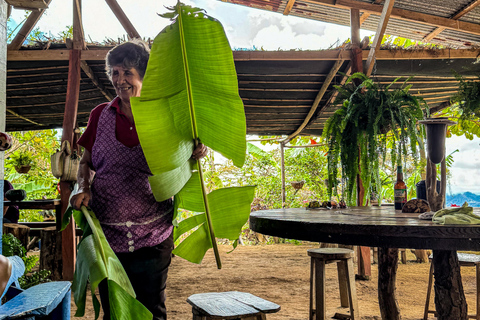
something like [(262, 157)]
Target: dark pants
[(147, 270)]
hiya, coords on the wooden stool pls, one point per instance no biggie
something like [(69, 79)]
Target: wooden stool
[(465, 260), (346, 279), (230, 305)]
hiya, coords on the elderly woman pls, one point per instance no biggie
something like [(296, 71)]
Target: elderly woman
[(113, 181)]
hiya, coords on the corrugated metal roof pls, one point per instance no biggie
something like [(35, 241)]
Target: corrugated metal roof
[(415, 30)]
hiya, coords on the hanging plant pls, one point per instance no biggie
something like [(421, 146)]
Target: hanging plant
[(371, 121), (467, 98)]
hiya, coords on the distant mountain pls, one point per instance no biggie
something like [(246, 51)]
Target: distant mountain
[(459, 198)]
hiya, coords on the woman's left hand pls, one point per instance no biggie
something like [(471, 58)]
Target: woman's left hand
[(200, 151)]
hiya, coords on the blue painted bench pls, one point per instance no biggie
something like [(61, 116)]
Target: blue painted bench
[(49, 300)]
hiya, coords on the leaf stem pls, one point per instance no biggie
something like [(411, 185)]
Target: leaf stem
[(95, 233)]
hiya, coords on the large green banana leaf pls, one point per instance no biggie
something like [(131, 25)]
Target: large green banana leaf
[(96, 261), (190, 90), (190, 94)]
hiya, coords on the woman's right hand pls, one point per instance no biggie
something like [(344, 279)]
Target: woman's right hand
[(80, 199)]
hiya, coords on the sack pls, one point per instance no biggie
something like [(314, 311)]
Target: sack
[(64, 163), (56, 161)]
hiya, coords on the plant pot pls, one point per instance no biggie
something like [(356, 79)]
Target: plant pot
[(436, 133), (23, 169)]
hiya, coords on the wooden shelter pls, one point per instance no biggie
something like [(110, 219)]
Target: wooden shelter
[(285, 93)]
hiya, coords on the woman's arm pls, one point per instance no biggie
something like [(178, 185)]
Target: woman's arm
[(84, 180)]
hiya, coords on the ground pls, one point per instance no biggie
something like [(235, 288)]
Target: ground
[(280, 273)]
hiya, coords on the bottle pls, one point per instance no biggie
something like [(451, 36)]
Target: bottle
[(400, 190)]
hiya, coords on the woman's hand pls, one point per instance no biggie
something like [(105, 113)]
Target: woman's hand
[(80, 199), (200, 151)]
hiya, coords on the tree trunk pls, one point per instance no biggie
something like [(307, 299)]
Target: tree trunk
[(51, 252), (19, 231), (387, 274), (450, 302)]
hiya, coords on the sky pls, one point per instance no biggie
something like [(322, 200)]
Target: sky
[(246, 28)]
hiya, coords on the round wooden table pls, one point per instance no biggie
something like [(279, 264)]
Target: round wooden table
[(385, 228)]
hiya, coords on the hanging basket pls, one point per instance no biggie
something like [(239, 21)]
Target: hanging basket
[(297, 185), (23, 169)]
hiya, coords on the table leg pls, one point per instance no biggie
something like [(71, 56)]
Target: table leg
[(387, 274), (450, 302)]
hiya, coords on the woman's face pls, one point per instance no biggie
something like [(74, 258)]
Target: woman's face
[(127, 82)]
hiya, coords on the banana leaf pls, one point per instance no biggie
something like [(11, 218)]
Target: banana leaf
[(190, 94), (96, 261)]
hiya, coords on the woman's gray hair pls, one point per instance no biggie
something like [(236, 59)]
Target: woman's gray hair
[(131, 54)]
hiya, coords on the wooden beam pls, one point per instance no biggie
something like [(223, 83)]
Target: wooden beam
[(89, 72), (403, 14), (377, 41), (457, 16), (69, 124), (78, 33), (355, 27), (23, 118), (338, 64), (28, 4), (324, 55), (364, 17), (288, 7), (123, 19), (26, 29)]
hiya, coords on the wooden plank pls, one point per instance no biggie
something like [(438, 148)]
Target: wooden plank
[(123, 19), (377, 41), (69, 124), (39, 300), (288, 7), (330, 55), (26, 28), (28, 4)]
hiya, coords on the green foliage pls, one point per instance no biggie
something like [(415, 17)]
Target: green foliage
[(39, 182), (467, 98), (96, 262), (11, 246), (357, 132)]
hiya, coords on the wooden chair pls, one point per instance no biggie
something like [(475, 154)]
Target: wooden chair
[(465, 260), (346, 279), (230, 305)]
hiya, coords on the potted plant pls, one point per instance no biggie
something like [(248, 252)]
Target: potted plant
[(22, 161), (371, 120)]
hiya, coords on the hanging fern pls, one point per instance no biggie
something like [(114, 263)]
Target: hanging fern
[(357, 131), (467, 97)]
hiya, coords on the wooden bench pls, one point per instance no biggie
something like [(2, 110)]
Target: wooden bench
[(230, 305), (46, 301)]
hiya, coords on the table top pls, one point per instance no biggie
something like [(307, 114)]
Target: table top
[(366, 226)]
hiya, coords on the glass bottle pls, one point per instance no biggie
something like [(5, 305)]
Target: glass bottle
[(400, 190)]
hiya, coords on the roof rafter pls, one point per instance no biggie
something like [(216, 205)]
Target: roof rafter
[(403, 14), (89, 72), (123, 19), (457, 16), (288, 7), (26, 28), (377, 41)]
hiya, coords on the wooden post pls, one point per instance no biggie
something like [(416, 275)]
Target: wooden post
[(387, 274), (50, 252), (363, 253), (69, 124), (282, 155), (19, 231), (3, 90), (450, 302)]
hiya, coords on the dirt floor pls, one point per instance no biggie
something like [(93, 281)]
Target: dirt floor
[(280, 273)]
